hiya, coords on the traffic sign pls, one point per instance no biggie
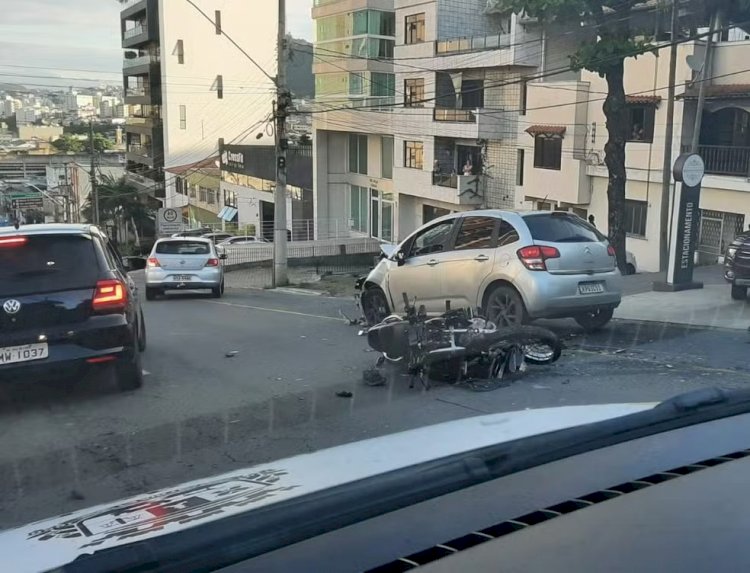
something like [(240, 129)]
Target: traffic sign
[(169, 221), (29, 202)]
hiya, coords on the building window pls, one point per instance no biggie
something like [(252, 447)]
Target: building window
[(547, 151), (386, 157), (429, 213), (413, 154), (211, 199), (217, 21), (635, 217), (414, 92), (202, 194), (179, 51), (414, 31), (192, 191), (183, 117), (220, 87), (641, 118), (382, 85), (472, 94), (356, 84), (230, 198), (180, 186), (520, 156), (523, 96), (357, 153), (358, 212)]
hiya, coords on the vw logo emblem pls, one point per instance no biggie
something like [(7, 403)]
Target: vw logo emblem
[(11, 306)]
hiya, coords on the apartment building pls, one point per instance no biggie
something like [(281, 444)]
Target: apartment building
[(562, 143), (451, 75), (187, 85)]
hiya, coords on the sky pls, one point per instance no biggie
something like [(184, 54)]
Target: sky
[(76, 40)]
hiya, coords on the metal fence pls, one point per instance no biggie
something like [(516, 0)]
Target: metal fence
[(251, 266)]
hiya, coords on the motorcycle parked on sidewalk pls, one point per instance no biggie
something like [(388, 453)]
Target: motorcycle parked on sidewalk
[(459, 346)]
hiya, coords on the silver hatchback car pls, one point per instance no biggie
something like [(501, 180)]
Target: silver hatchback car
[(184, 263), (513, 266)]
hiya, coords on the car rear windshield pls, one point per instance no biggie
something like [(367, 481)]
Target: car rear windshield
[(47, 263), (562, 228), (182, 248)]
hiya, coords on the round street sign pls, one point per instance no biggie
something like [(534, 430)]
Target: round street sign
[(170, 215), (689, 169)]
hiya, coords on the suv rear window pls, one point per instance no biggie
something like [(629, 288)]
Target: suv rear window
[(183, 248), (561, 228), (46, 263)]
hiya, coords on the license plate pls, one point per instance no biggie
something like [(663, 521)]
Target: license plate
[(183, 277), (25, 353), (590, 288)]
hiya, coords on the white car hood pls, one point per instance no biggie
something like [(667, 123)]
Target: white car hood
[(55, 542)]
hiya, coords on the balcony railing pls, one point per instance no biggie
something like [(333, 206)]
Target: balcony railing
[(136, 30), (139, 149), (725, 159), (140, 61), (455, 115), (138, 91), (445, 179), (472, 44)]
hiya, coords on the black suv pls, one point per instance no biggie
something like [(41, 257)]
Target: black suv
[(67, 304), (737, 266)]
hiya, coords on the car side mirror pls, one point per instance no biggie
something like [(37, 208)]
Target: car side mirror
[(400, 258), (134, 263)]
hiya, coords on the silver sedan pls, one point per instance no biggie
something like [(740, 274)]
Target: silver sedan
[(184, 263)]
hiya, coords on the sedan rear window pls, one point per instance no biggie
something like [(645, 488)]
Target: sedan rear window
[(562, 228), (47, 263), (183, 248)]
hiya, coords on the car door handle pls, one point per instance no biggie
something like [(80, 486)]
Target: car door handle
[(432, 262), (481, 258)]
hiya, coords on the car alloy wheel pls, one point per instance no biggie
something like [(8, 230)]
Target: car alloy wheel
[(505, 307)]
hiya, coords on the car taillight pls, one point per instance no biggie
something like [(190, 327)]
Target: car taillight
[(12, 241), (610, 250), (110, 295), (153, 262), (534, 257), (212, 263)]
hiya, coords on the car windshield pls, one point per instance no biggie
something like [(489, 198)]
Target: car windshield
[(250, 237), (182, 248), (561, 228), (36, 264)]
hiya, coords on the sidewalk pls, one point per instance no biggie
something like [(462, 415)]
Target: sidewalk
[(710, 306)]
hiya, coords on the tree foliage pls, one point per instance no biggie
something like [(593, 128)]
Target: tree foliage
[(71, 144), (119, 202)]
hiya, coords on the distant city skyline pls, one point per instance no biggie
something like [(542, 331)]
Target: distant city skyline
[(49, 43)]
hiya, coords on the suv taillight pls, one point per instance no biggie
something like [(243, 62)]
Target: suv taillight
[(109, 296), (212, 263), (153, 262), (13, 241), (534, 257), (611, 251)]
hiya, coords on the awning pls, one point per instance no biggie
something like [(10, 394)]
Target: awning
[(227, 213), (726, 91), (546, 130)]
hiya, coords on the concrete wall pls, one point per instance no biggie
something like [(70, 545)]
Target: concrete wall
[(44, 132)]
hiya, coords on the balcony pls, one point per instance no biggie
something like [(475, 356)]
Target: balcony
[(725, 159), (149, 122), (136, 30), (147, 181), (136, 35), (143, 95), (140, 153), (454, 115), (146, 60)]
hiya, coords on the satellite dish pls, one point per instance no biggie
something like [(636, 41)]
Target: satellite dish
[(695, 63)]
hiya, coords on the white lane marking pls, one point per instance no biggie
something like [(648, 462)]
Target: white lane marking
[(278, 310)]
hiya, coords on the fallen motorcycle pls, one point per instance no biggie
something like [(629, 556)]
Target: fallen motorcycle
[(459, 346)]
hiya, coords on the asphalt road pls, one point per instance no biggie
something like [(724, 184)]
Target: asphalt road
[(201, 412)]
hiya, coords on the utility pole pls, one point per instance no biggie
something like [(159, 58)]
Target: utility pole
[(281, 109), (667, 167), (94, 188), (705, 78)]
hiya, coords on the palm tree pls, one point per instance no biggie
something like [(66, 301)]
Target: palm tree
[(121, 206)]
